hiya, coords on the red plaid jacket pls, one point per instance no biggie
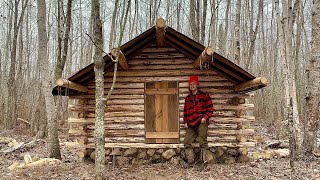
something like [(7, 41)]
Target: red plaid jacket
[(195, 110)]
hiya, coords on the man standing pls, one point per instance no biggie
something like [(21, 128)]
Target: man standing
[(198, 109)]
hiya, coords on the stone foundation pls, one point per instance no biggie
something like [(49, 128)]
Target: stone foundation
[(176, 156)]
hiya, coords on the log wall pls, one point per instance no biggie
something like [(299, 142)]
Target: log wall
[(124, 115)]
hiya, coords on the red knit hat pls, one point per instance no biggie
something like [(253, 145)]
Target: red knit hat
[(194, 78)]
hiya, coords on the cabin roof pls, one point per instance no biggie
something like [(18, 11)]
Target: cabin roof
[(177, 40)]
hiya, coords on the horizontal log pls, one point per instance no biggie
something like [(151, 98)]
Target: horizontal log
[(119, 85), (109, 133), (119, 127), (157, 91), (214, 101), (216, 132), (109, 108), (209, 90), (158, 135), (143, 145), (71, 85), (255, 83), (121, 91), (182, 78), (119, 114), (141, 62), (158, 56), (233, 120), (158, 50), (108, 120), (226, 120), (142, 139), (219, 107), (149, 73), (161, 67), (220, 95), (113, 96), (121, 102), (208, 84)]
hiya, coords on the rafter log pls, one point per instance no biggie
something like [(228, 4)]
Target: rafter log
[(204, 57), (122, 60), (71, 85), (257, 82), (182, 45), (160, 31)]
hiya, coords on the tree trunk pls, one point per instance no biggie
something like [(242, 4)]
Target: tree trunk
[(213, 25), (226, 29), (63, 28), (253, 34), (203, 23), (288, 21), (313, 86), (237, 32), (113, 25), (99, 80), (193, 25), (54, 147), (12, 95)]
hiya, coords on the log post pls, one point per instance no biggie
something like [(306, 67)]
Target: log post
[(71, 85), (204, 57), (259, 81), (160, 31), (122, 59)]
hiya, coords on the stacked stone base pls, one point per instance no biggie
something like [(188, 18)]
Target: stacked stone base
[(176, 156)]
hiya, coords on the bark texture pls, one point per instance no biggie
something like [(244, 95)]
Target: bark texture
[(54, 147), (313, 86), (99, 80)]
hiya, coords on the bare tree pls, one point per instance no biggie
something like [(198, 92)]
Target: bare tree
[(237, 32), (113, 24), (313, 86), (99, 92), (253, 33), (46, 80), (12, 95), (63, 28)]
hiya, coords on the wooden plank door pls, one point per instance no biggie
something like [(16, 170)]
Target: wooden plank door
[(162, 112)]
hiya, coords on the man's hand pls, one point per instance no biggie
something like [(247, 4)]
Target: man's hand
[(185, 125), (203, 120)]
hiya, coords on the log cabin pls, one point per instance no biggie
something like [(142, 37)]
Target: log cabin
[(145, 110)]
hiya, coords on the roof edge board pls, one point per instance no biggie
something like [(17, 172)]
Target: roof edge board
[(232, 65), (188, 40)]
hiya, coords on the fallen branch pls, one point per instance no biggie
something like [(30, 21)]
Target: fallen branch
[(21, 145), (25, 121)]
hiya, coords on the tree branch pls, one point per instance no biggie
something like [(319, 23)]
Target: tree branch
[(114, 60)]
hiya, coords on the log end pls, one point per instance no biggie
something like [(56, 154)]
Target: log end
[(160, 23), (60, 82), (209, 51), (263, 80), (114, 52)]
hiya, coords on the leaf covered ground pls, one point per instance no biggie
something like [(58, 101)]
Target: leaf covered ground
[(71, 168)]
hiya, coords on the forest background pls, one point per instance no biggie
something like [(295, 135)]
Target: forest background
[(266, 37)]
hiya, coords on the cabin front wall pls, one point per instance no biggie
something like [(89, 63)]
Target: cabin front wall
[(125, 110)]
